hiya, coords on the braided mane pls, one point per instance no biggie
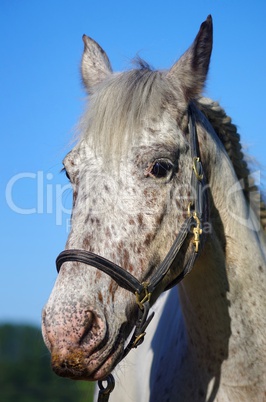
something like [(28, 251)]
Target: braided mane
[(227, 133)]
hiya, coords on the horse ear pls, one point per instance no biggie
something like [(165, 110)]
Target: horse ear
[(95, 65), (190, 71)]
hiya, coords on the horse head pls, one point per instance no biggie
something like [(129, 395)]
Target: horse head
[(131, 176)]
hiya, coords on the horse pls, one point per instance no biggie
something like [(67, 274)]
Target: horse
[(167, 242)]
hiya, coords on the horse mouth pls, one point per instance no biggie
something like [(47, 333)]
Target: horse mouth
[(74, 364)]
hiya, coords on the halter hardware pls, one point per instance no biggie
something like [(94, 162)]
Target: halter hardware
[(138, 340), (196, 166), (197, 231), (143, 291), (146, 297), (104, 392)]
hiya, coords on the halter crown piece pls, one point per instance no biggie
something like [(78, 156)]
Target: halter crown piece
[(143, 291)]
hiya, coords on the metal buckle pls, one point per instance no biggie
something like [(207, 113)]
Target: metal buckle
[(138, 341), (146, 297), (197, 231), (196, 160)]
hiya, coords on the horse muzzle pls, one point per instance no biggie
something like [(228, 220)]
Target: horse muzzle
[(80, 348)]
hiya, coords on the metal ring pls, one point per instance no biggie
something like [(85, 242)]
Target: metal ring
[(110, 384), (196, 160)]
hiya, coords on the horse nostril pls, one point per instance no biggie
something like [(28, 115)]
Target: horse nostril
[(94, 330), (87, 329)]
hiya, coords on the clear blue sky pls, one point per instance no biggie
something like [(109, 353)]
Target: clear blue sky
[(42, 99)]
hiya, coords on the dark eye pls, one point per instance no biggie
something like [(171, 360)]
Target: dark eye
[(161, 169)]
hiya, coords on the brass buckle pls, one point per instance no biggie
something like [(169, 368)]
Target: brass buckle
[(196, 160), (197, 231), (138, 341), (190, 204), (140, 302)]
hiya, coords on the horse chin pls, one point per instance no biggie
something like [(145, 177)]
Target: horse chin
[(76, 366), (103, 369)]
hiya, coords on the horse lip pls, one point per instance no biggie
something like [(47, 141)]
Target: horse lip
[(110, 358), (107, 365), (78, 366)]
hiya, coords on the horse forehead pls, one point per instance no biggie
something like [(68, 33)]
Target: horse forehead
[(164, 132), (154, 131)]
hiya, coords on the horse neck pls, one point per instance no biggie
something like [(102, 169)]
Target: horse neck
[(222, 298)]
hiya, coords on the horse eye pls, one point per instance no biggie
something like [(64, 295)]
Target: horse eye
[(161, 169)]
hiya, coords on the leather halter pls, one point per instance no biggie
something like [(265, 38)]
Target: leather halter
[(191, 227)]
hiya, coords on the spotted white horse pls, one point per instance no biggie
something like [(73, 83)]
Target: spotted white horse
[(154, 170)]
